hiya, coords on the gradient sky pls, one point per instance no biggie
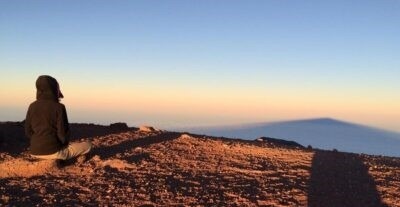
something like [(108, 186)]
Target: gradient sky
[(192, 62)]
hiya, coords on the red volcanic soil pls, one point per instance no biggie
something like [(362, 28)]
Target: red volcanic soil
[(132, 167)]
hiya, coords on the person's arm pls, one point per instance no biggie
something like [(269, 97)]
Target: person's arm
[(63, 126), (28, 127)]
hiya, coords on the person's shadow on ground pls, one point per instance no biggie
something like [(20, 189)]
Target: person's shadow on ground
[(341, 179)]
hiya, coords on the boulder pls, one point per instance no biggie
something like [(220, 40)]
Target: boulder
[(148, 129)]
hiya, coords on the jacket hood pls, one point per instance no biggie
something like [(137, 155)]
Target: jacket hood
[(47, 88)]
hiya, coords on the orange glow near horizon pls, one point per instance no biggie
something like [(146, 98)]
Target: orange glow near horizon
[(222, 106)]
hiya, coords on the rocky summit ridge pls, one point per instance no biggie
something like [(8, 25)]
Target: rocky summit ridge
[(150, 167)]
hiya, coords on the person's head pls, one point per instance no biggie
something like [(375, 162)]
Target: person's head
[(48, 88)]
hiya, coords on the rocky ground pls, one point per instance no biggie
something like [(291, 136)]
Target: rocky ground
[(149, 167)]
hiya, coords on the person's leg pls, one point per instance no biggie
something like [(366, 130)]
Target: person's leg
[(75, 149), (54, 156)]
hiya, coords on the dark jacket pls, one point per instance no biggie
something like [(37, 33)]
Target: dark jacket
[(46, 122)]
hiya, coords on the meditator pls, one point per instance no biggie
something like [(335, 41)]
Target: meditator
[(47, 126)]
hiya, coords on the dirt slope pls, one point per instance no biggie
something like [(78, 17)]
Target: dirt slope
[(131, 167)]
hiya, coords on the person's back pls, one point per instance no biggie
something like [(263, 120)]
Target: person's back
[(47, 126)]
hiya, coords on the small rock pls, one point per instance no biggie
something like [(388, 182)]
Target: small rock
[(43, 190), (96, 158), (138, 150), (148, 129)]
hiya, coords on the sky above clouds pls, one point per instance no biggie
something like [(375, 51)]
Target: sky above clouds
[(189, 63)]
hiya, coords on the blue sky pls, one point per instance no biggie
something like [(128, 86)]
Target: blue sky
[(278, 59)]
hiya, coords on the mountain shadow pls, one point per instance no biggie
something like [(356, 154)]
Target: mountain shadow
[(323, 133), (341, 179)]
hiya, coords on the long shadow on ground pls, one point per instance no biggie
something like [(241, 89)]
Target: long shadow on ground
[(106, 152), (341, 179)]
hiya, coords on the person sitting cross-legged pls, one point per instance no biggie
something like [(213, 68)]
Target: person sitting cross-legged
[(47, 127)]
